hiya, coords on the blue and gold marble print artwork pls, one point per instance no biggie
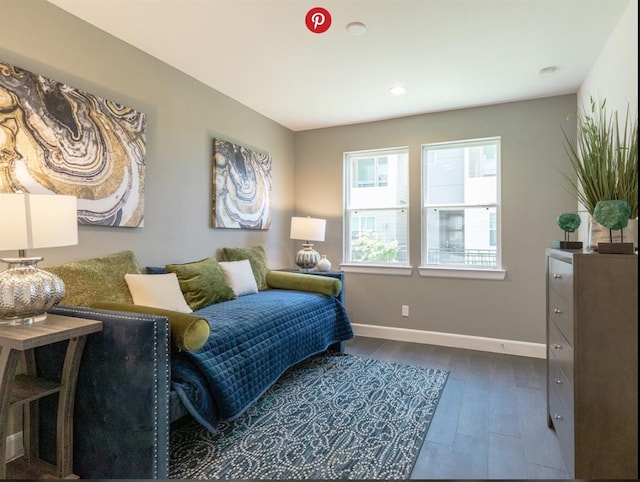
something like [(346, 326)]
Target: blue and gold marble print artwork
[(55, 139), (241, 187)]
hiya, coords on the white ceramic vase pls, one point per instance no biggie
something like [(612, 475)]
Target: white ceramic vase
[(323, 263)]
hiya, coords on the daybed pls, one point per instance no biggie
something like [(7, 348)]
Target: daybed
[(150, 366)]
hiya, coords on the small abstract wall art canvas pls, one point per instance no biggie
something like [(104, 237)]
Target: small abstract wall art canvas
[(241, 194), (55, 139)]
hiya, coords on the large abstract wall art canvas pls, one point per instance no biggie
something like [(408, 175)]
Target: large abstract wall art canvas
[(61, 140), (241, 196)]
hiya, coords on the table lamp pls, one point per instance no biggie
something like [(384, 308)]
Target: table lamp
[(307, 229), (32, 221)]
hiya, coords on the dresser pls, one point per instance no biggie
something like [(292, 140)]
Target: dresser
[(592, 361)]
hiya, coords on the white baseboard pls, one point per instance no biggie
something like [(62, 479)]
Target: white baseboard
[(14, 447), (494, 345)]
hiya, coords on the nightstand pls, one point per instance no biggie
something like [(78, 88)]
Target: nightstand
[(332, 274), (27, 389)]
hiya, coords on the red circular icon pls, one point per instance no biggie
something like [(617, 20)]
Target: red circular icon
[(318, 20)]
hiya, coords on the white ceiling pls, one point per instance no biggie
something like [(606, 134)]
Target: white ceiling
[(449, 54)]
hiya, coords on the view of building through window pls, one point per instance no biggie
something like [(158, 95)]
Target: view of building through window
[(376, 206), (461, 203)]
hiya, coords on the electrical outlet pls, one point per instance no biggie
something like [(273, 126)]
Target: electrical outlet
[(405, 310)]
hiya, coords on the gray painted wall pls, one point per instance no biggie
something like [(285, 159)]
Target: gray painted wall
[(533, 195)]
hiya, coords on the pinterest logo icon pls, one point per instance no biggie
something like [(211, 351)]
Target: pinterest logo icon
[(318, 20)]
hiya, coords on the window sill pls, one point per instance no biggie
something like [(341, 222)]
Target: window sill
[(377, 269), (467, 273)]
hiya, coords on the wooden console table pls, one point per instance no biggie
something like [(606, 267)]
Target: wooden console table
[(27, 389)]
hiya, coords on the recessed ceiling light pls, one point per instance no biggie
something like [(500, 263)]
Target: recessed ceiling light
[(398, 90), (547, 70), (356, 28)]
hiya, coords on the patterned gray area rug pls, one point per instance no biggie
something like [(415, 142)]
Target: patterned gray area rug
[(330, 417)]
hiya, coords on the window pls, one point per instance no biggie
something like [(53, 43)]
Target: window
[(376, 207), (461, 209)]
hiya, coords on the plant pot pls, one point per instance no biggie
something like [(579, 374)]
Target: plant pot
[(615, 248), (599, 234), (566, 244)]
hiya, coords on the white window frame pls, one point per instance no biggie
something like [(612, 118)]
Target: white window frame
[(361, 267), (456, 271)]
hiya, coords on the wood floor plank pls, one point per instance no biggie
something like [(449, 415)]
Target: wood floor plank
[(440, 356), (363, 346), (506, 458), (480, 365), (540, 443), (474, 412), (459, 363), (502, 372), (529, 372), (444, 424), (434, 462), (535, 471), (504, 417), (467, 458)]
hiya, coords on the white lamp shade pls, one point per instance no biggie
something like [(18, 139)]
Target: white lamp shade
[(37, 221), (307, 229)]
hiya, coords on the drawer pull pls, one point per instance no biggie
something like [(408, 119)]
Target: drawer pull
[(557, 276), (557, 311), (558, 382), (557, 417), (557, 347)]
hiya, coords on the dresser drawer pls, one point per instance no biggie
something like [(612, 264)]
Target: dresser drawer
[(561, 314), (561, 416), (560, 277), (560, 352), (559, 382)]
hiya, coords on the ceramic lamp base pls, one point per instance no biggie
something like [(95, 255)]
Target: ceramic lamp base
[(307, 257), (27, 292)]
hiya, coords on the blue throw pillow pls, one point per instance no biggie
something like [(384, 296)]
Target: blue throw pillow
[(156, 270)]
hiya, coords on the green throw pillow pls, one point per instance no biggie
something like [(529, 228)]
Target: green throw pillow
[(188, 332), (97, 279), (202, 283), (257, 258), (304, 282)]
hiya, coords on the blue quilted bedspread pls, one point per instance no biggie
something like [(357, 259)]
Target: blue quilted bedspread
[(254, 339)]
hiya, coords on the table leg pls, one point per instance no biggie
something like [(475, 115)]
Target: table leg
[(64, 448), (31, 415), (8, 365)]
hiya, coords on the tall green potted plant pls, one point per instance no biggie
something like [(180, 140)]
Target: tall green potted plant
[(605, 164)]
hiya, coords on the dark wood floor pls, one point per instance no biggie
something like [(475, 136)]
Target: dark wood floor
[(491, 421)]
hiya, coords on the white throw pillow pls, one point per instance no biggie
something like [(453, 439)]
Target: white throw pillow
[(239, 276), (157, 290)]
